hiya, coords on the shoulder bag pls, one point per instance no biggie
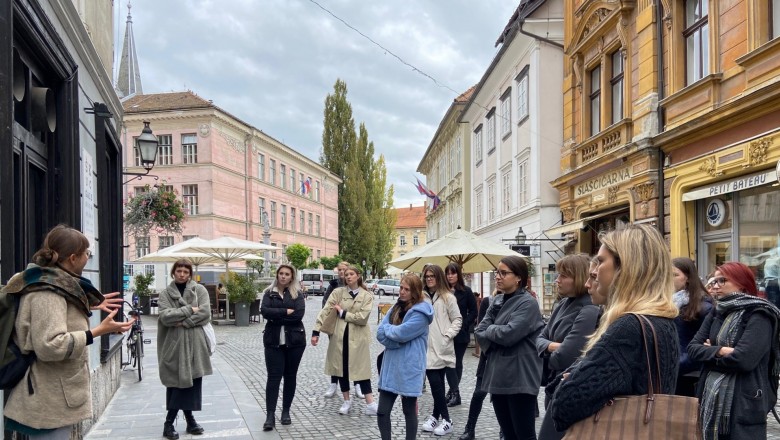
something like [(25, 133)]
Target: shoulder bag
[(329, 323), (650, 416)]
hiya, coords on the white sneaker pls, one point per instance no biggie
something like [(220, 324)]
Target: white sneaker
[(371, 409), (444, 428), (430, 424), (331, 390), (359, 393), (345, 407)]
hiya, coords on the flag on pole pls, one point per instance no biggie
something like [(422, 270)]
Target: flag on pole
[(307, 184)]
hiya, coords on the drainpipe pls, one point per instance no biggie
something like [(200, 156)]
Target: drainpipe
[(660, 112), (538, 37)]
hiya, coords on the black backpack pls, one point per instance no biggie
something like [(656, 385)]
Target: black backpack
[(14, 364)]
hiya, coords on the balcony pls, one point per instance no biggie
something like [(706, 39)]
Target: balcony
[(606, 141)]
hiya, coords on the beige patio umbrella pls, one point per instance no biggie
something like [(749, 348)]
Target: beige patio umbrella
[(473, 253), (228, 249)]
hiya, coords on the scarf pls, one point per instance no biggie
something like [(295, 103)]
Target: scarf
[(77, 290), (718, 396), (681, 299)]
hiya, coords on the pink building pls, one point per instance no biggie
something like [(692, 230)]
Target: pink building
[(227, 172)]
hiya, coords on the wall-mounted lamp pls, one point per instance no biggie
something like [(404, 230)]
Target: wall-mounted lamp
[(147, 147), (520, 237), (667, 161)]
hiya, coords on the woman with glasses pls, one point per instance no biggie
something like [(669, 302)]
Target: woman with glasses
[(634, 276), (694, 304), (573, 319), (738, 344), (404, 333), (441, 347), (507, 335), (467, 305)]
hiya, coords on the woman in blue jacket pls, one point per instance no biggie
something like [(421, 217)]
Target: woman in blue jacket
[(404, 333)]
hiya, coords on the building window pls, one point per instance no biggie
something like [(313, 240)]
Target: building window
[(165, 241), (188, 237), (165, 149), (284, 216), (319, 232), (696, 36), (617, 86), (190, 195), (303, 222), (300, 187), (774, 19), (292, 218), (139, 190), (261, 204), (442, 173), (141, 246), (492, 200), (522, 95), (136, 152), (189, 148), (317, 190), (273, 214), (595, 100), (458, 153), (261, 166), (506, 188), (506, 112), (273, 253), (478, 145), (292, 180), (415, 240), (522, 183), (283, 176), (478, 208), (311, 224), (272, 171), (402, 240), (491, 131)]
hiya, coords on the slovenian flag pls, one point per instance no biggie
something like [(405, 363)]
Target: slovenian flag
[(306, 186)]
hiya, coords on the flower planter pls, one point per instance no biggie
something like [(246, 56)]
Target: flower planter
[(242, 314)]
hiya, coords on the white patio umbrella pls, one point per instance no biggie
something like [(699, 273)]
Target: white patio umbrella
[(227, 249), (473, 253)]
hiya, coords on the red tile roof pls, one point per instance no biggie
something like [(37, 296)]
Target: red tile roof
[(465, 96), (165, 101), (411, 217)]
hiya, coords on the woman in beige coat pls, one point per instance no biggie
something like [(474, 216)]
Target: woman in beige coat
[(441, 346), (53, 322), (348, 355)]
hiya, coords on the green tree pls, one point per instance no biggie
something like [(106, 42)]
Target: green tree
[(330, 263), (142, 283), (256, 266), (298, 253)]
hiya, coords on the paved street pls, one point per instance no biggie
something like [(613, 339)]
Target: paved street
[(233, 402)]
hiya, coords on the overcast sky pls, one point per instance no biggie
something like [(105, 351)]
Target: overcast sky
[(272, 63)]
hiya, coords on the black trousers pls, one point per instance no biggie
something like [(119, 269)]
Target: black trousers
[(515, 414), (454, 374), (365, 385), (409, 406), (281, 362), (477, 399), (436, 379), (547, 430)]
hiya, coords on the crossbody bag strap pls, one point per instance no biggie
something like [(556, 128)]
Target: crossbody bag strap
[(657, 355), (650, 389)]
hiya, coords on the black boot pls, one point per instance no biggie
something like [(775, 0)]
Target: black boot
[(286, 420), (455, 399), (448, 396), (192, 426), (468, 433), (270, 422), (168, 431)]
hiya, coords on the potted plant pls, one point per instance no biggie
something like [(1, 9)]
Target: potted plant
[(241, 292), (144, 293), (156, 208)]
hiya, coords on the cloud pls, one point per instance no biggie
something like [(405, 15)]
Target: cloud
[(272, 63)]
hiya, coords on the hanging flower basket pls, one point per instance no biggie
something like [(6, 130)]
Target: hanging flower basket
[(155, 209)]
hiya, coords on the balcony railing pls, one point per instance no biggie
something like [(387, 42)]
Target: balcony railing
[(603, 143)]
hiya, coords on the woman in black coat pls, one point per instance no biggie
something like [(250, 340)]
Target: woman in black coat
[(738, 344), (284, 339), (573, 319), (467, 304)]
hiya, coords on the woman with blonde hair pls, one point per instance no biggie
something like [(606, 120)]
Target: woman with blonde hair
[(284, 339), (441, 346), (348, 355), (634, 276)]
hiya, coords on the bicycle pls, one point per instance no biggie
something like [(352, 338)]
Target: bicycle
[(135, 340)]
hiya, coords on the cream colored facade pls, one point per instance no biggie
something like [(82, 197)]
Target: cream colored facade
[(410, 230), (446, 168)]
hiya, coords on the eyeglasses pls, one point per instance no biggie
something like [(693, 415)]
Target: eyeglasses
[(503, 273), (429, 277), (720, 281), (89, 253)]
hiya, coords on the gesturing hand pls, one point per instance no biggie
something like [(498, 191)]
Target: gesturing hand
[(111, 302)]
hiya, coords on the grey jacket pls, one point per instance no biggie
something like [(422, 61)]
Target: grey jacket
[(182, 349), (508, 335), (572, 321)]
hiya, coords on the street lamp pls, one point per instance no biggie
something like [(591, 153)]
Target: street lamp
[(520, 237), (147, 147)]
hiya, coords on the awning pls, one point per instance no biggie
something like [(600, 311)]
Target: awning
[(581, 223)]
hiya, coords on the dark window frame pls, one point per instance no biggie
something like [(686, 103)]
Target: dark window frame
[(688, 32)]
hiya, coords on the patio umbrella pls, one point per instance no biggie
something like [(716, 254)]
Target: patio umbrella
[(228, 249), (473, 253)]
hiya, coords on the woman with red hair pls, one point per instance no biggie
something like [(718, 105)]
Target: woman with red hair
[(739, 347)]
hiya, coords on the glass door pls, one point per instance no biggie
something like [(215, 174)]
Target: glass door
[(715, 253)]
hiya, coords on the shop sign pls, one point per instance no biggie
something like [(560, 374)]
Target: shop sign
[(730, 186), (716, 212), (603, 182)]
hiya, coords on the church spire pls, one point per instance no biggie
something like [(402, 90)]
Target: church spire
[(128, 82)]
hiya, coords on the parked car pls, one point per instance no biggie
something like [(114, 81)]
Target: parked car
[(387, 286), (315, 281)]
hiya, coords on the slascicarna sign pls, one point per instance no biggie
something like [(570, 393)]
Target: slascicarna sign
[(603, 181)]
